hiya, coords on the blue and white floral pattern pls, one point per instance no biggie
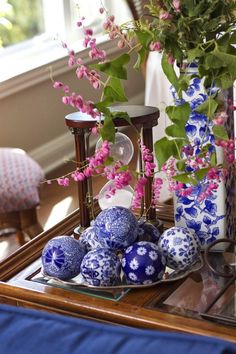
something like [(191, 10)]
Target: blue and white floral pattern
[(101, 267), (116, 228), (62, 256), (206, 218), (180, 247), (148, 232), (89, 239), (143, 263)]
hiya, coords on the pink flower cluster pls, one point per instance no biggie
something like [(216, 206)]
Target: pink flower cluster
[(83, 71), (114, 32), (147, 158), (214, 177), (139, 190), (121, 178), (175, 186), (95, 165), (220, 118), (228, 148), (155, 46), (156, 190), (177, 5)]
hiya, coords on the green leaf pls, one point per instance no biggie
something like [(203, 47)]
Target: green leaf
[(123, 115), (213, 62), (179, 114), (185, 178), (233, 38), (123, 168), (103, 106), (220, 132), (200, 174), (184, 82), (115, 90), (228, 59), (170, 72), (108, 129), (109, 160), (208, 107), (175, 130), (194, 53), (141, 58), (164, 149), (225, 80), (213, 159), (114, 68), (181, 165), (224, 40), (144, 38)]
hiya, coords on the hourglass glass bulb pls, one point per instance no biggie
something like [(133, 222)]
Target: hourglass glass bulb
[(122, 197), (121, 150)]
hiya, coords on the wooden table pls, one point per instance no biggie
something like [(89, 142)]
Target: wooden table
[(138, 308)]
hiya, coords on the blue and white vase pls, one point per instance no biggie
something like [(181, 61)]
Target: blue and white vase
[(210, 218)]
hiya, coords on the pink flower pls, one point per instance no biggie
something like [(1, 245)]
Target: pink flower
[(165, 16), (170, 59), (88, 171), (156, 190), (82, 71), (63, 181), (78, 176), (58, 84), (88, 31), (155, 46), (139, 192), (177, 5), (94, 130), (121, 44)]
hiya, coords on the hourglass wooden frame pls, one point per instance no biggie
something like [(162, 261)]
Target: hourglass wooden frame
[(144, 118)]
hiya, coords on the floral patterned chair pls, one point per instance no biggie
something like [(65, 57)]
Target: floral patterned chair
[(20, 177)]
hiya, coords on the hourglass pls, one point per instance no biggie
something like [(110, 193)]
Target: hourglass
[(122, 151), (144, 118)]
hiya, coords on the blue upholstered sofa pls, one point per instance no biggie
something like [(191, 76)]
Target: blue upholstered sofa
[(24, 331)]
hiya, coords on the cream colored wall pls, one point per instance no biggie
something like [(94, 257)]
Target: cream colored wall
[(34, 116)]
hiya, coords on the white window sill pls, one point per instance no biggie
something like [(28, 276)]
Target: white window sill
[(37, 70)]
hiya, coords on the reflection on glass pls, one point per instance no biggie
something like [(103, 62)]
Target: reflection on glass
[(121, 197), (121, 150)]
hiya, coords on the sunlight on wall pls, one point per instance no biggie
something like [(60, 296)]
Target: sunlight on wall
[(59, 212), (8, 245)]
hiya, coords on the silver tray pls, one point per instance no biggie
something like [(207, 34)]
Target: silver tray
[(169, 276)]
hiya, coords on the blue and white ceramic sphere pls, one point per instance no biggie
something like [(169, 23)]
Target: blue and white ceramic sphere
[(101, 267), (180, 247), (148, 232), (143, 263), (116, 227), (62, 256), (89, 239)]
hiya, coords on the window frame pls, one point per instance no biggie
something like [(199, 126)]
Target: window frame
[(55, 56)]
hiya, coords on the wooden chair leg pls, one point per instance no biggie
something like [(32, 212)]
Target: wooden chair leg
[(21, 237), (29, 222), (10, 223)]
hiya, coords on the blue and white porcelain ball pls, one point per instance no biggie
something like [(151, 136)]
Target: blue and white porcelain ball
[(148, 232), (143, 263), (62, 257), (116, 228), (180, 247), (101, 267), (89, 239)]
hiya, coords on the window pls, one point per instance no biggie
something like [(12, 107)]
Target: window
[(32, 30)]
